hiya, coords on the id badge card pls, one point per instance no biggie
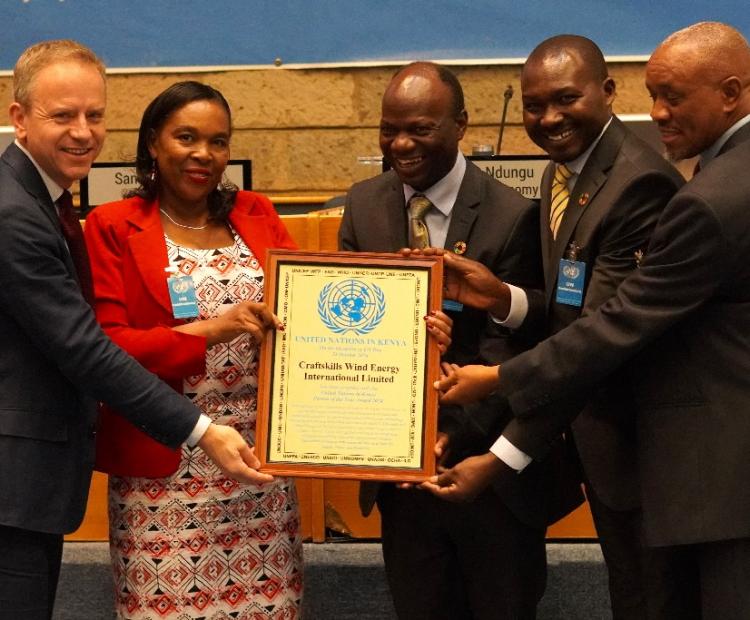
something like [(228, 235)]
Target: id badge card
[(182, 296), (570, 279)]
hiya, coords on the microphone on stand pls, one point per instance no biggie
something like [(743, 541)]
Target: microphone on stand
[(507, 96)]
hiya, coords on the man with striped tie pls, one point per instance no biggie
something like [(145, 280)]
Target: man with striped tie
[(484, 560), (684, 318), (601, 197)]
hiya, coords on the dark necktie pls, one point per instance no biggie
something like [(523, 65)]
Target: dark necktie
[(71, 229), (419, 236)]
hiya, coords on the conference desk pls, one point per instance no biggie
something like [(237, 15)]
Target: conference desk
[(328, 508)]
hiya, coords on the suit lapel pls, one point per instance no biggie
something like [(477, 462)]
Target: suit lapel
[(393, 214), (584, 191), (587, 186), (738, 137), (32, 182), (464, 210), (544, 230), (150, 251)]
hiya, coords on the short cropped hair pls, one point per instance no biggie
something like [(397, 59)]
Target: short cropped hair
[(449, 78), (563, 45), (43, 54)]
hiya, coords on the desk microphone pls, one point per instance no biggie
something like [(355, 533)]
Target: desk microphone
[(507, 96)]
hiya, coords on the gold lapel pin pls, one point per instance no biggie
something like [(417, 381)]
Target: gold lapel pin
[(638, 254), (459, 247), (583, 200)]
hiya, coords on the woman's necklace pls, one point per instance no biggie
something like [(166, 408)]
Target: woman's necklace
[(169, 217)]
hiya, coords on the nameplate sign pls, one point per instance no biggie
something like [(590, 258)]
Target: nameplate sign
[(107, 182), (521, 172)]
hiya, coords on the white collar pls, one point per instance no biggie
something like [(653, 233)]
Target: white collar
[(443, 194), (55, 190), (576, 165)]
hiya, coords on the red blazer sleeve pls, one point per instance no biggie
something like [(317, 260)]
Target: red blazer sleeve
[(128, 256), (132, 302), (126, 246)]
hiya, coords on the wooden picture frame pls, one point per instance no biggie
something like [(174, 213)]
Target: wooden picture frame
[(345, 390)]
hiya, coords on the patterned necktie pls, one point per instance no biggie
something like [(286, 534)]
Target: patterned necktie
[(419, 236), (71, 229), (560, 197)]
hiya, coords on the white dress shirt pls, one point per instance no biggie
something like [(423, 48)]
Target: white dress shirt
[(519, 307), (443, 196)]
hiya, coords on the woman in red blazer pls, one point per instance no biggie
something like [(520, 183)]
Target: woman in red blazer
[(184, 539)]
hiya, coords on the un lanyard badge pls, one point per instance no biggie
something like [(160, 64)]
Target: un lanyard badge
[(571, 275), (182, 295)]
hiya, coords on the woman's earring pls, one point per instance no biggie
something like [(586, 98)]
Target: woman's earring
[(152, 174)]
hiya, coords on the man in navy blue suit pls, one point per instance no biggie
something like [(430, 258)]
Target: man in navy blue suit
[(454, 550), (55, 362)]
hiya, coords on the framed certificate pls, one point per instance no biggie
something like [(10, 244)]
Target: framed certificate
[(345, 391)]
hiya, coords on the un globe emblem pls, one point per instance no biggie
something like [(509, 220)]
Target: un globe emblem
[(351, 305), (180, 285)]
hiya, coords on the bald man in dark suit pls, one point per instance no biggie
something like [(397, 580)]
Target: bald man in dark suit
[(618, 187), (485, 560), (685, 314)]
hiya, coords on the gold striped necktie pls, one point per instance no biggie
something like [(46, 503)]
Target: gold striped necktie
[(560, 197), (419, 236)]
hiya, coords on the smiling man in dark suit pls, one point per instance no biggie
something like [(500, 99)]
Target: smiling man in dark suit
[(55, 362), (685, 314), (487, 559), (616, 187)]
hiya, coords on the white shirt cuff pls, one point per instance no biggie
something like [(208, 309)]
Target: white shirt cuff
[(510, 455), (519, 308), (201, 426)]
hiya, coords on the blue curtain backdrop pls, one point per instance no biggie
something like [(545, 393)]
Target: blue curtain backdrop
[(165, 33)]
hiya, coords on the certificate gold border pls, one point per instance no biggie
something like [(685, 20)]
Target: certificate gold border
[(278, 350)]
